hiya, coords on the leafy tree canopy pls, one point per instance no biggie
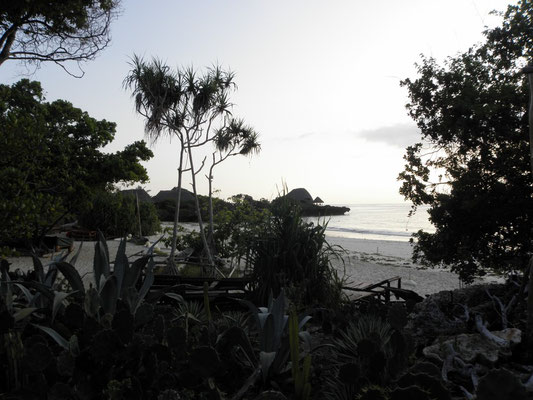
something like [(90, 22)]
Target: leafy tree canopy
[(57, 31), (51, 160), (472, 166)]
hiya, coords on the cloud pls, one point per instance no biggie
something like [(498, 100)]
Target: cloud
[(398, 135)]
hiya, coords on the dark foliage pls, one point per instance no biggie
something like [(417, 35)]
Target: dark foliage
[(471, 111), (51, 161), (116, 215), (61, 32)]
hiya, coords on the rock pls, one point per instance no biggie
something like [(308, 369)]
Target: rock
[(428, 322), (475, 348)]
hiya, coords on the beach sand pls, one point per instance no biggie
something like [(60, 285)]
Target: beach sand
[(365, 261), (370, 261)]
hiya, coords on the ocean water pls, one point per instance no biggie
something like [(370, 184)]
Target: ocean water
[(377, 222)]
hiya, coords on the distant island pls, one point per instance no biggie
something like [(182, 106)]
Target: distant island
[(314, 207), (164, 201)]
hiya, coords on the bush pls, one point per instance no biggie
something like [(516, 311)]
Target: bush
[(115, 215), (294, 254)]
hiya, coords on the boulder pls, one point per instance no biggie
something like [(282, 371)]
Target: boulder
[(475, 348)]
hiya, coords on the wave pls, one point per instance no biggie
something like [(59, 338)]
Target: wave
[(380, 232)]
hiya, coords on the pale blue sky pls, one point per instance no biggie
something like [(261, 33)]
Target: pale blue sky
[(319, 80)]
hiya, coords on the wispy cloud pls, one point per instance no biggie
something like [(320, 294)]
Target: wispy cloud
[(398, 135)]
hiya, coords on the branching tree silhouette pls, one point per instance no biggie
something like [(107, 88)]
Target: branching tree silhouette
[(55, 31), (235, 138), (192, 107)]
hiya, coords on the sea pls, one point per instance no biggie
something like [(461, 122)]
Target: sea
[(377, 222)]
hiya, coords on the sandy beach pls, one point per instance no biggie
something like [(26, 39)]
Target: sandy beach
[(365, 261)]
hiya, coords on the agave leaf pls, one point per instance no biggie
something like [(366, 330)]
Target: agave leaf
[(121, 264), (279, 319), (101, 260), (267, 336), (23, 313), (5, 286), (58, 302), (25, 291), (304, 321), (41, 288), (60, 340), (265, 360), (73, 346), (91, 302), (38, 268), (279, 364), (109, 295), (130, 296), (306, 340), (72, 275), (62, 256), (176, 297), (147, 283), (75, 257), (256, 312), (132, 275), (50, 276)]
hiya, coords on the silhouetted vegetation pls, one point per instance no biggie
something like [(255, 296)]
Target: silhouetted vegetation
[(472, 113), (65, 32), (51, 162)]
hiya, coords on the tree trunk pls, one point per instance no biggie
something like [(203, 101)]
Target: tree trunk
[(138, 214), (176, 214), (200, 222), (211, 233), (529, 71)]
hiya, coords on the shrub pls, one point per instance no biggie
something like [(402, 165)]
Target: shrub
[(291, 253)]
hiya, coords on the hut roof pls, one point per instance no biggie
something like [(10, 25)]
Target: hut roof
[(141, 193), (163, 195), (301, 195), (318, 200)]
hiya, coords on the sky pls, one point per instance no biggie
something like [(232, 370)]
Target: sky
[(318, 80)]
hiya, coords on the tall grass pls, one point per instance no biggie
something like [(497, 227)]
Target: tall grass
[(294, 254)]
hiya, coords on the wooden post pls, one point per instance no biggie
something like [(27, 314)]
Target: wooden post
[(138, 214)]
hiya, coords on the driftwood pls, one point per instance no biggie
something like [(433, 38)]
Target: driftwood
[(502, 309), (482, 329)]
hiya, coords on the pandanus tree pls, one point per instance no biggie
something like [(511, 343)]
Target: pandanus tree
[(180, 103), (232, 139)]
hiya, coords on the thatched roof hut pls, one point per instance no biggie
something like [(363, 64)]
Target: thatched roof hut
[(163, 195), (141, 193), (318, 200), (300, 195)]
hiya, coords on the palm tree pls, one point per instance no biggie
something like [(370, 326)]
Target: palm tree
[(183, 104)]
